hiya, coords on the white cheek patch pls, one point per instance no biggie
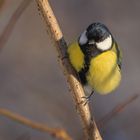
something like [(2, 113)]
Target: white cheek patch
[(105, 44), (83, 38)]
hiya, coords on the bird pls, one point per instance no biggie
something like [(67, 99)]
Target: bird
[(97, 59)]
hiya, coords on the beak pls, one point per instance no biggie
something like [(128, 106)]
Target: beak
[(92, 42)]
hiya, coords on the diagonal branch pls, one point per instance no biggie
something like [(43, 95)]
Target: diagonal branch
[(13, 20), (55, 132), (116, 110), (54, 31)]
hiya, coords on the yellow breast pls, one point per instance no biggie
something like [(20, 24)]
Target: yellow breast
[(104, 74), (76, 56)]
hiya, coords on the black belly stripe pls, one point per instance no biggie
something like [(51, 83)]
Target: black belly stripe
[(89, 51)]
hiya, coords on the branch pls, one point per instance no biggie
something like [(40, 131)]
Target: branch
[(13, 20), (116, 110), (55, 132), (54, 31)]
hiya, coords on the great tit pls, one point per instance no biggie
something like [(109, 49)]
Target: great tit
[(97, 59)]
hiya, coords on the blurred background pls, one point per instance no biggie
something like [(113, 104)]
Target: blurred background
[(32, 83)]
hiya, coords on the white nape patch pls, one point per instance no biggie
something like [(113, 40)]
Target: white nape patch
[(105, 44), (83, 38)]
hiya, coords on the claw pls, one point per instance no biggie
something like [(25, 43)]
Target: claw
[(86, 99)]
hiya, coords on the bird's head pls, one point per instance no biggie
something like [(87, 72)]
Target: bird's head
[(96, 34)]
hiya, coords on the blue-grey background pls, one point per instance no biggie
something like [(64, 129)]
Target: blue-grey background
[(32, 83)]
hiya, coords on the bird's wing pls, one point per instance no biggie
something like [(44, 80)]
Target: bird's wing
[(76, 56), (117, 50)]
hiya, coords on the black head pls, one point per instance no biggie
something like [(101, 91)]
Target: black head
[(97, 31), (98, 34)]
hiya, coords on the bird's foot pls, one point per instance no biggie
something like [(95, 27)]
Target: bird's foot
[(86, 99)]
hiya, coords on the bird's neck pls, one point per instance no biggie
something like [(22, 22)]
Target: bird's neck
[(89, 52)]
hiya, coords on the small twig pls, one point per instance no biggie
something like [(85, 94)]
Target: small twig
[(13, 20), (55, 132), (54, 31), (116, 110)]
